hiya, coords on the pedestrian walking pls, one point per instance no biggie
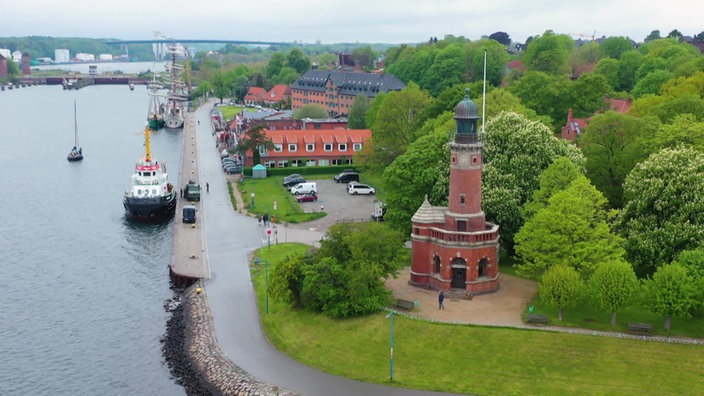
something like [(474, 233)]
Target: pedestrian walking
[(207, 187), (441, 299)]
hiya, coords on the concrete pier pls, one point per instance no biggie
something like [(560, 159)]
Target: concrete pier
[(189, 259)]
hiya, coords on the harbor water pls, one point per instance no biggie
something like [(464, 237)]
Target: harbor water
[(83, 288)]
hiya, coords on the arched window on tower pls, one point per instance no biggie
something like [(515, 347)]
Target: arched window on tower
[(436, 264), (482, 267)]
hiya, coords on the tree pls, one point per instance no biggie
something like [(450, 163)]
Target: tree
[(546, 94), (556, 177), (670, 292), (310, 111), (651, 83), (254, 138), (358, 111), (614, 47), (585, 56), (627, 68), (654, 35), (447, 70), (571, 230), (588, 93), (561, 287), (298, 61), (501, 37), (549, 53), (516, 151), (422, 170), (662, 216), (675, 34), (608, 67), (395, 126), (612, 286), (613, 144), (286, 280), (276, 63), (693, 261)]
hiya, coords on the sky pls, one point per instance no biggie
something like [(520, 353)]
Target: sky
[(350, 21)]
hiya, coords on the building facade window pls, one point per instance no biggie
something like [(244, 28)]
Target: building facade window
[(323, 162), (262, 150), (463, 199), (310, 147), (342, 147), (327, 147), (270, 164), (278, 148), (310, 162), (296, 163), (292, 148), (283, 164), (356, 146)]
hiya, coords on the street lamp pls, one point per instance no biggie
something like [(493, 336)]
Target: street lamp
[(252, 199), (257, 261), (391, 354)]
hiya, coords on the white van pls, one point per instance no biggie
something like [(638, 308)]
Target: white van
[(304, 188)]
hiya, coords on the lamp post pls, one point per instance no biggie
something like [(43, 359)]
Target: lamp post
[(391, 353), (252, 200), (257, 261)]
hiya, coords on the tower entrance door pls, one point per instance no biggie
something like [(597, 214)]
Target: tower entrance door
[(459, 277)]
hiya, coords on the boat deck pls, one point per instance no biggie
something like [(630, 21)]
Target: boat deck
[(189, 261)]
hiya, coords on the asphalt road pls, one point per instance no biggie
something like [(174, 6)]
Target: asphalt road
[(230, 237)]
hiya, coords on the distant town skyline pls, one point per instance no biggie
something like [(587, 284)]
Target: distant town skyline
[(364, 21)]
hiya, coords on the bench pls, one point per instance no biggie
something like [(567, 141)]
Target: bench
[(535, 318), (644, 328), (405, 304)]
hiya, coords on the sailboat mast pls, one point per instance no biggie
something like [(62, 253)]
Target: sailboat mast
[(75, 123), (148, 151)]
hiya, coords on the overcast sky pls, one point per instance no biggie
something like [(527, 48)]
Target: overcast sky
[(334, 21)]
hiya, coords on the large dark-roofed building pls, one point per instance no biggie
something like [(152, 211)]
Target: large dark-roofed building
[(335, 90)]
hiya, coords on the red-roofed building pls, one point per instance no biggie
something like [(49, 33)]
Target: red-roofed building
[(575, 126), (311, 147), (277, 96), (255, 96)]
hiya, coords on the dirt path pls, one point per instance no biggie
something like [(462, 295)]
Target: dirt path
[(502, 308)]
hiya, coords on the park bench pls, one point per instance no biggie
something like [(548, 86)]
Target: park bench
[(405, 304), (536, 318), (644, 328)]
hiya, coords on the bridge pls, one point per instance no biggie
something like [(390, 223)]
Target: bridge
[(201, 41)]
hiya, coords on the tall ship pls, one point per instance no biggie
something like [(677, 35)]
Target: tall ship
[(155, 118), (151, 197), (177, 93)]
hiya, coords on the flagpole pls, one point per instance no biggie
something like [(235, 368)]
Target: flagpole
[(484, 96)]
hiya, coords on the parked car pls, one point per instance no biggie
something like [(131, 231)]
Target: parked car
[(294, 181), (304, 188), (307, 197), (291, 177), (231, 170), (346, 177), (360, 189), (189, 214), (230, 161)]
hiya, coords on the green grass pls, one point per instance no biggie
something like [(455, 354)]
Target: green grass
[(229, 111), (266, 192), (476, 359)]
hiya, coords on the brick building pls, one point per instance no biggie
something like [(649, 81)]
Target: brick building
[(335, 90), (3, 66), (311, 147), (575, 126), (454, 248)]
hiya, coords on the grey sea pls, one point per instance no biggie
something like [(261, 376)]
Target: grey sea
[(83, 289)]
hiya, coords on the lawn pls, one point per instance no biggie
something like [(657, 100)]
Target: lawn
[(475, 359), (268, 191)]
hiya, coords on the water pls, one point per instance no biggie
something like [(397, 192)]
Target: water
[(82, 288), (125, 67)]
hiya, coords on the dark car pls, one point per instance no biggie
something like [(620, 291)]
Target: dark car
[(292, 182), (346, 177), (290, 177), (189, 214), (307, 197)]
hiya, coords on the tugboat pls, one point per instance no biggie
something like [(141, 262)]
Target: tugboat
[(151, 197)]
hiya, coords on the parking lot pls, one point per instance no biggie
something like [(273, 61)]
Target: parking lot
[(338, 204)]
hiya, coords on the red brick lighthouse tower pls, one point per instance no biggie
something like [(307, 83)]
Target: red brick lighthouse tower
[(454, 247)]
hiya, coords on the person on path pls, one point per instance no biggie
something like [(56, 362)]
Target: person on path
[(441, 299), (207, 187)]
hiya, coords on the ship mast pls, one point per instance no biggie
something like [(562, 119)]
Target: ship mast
[(148, 151)]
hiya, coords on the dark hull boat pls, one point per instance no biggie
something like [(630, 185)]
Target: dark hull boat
[(151, 197), (76, 153)]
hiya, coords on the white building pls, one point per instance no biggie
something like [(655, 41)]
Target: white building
[(5, 53), (17, 57), (85, 57), (105, 57), (62, 55)]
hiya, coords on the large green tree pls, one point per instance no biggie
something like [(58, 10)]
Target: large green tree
[(664, 208), (557, 177), (357, 117), (549, 53), (546, 94), (613, 144), (614, 46), (670, 292), (612, 286), (516, 151), (572, 230), (396, 124), (561, 287)]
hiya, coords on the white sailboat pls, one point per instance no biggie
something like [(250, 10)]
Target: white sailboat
[(76, 153)]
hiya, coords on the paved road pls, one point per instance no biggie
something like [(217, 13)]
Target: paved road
[(230, 236)]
